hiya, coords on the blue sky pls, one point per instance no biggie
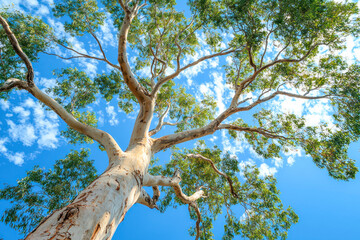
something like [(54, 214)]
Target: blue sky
[(30, 135)]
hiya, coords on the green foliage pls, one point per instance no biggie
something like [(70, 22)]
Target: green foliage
[(84, 15), (34, 36), (41, 192), (73, 89), (327, 147), (184, 109), (113, 84), (74, 137), (162, 37), (264, 215)]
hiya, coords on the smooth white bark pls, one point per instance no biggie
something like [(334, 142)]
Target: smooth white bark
[(97, 211)]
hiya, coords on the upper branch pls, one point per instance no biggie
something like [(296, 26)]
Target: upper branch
[(261, 131), (181, 69), (83, 55), (19, 51), (232, 190), (135, 87), (102, 137), (161, 122)]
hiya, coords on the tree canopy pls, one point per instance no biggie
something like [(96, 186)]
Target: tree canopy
[(273, 49)]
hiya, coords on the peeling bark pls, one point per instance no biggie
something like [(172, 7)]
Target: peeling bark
[(98, 210)]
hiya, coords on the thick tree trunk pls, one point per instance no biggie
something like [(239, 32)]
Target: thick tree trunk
[(97, 211)]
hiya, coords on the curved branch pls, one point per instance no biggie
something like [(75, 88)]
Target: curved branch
[(198, 221), (261, 131), (146, 200), (82, 55), (161, 122), (12, 83), (232, 190), (178, 71), (135, 87), (174, 181), (100, 136), (19, 52)]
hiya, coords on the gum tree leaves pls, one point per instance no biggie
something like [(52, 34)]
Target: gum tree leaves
[(43, 191), (34, 36), (264, 216), (75, 91)]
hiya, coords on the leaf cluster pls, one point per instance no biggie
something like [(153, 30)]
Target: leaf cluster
[(264, 216), (43, 191)]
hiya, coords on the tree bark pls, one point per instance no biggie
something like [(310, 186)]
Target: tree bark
[(97, 211)]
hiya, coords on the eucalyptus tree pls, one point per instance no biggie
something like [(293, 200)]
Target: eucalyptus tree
[(275, 47)]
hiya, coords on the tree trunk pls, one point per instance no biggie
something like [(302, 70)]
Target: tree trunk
[(97, 210)]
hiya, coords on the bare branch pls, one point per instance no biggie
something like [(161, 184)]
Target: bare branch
[(161, 121), (261, 131), (232, 190), (251, 61), (277, 56), (12, 83), (150, 180), (174, 181), (65, 58), (176, 73), (82, 55), (100, 136), (135, 87), (198, 221), (265, 49), (19, 52), (146, 200)]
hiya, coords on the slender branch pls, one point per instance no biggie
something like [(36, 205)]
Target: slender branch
[(82, 55), (161, 121), (174, 181), (19, 51), (198, 220), (146, 200), (12, 83), (265, 49), (65, 58), (232, 190), (176, 73), (100, 136), (251, 59), (261, 131), (135, 87)]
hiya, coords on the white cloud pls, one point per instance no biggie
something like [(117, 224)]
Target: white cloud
[(278, 162), (3, 149), (112, 114), (43, 10), (17, 158), (47, 82), (24, 133), (234, 147), (290, 161), (243, 164), (45, 124), (265, 170), (4, 105), (107, 32), (219, 91), (22, 113)]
